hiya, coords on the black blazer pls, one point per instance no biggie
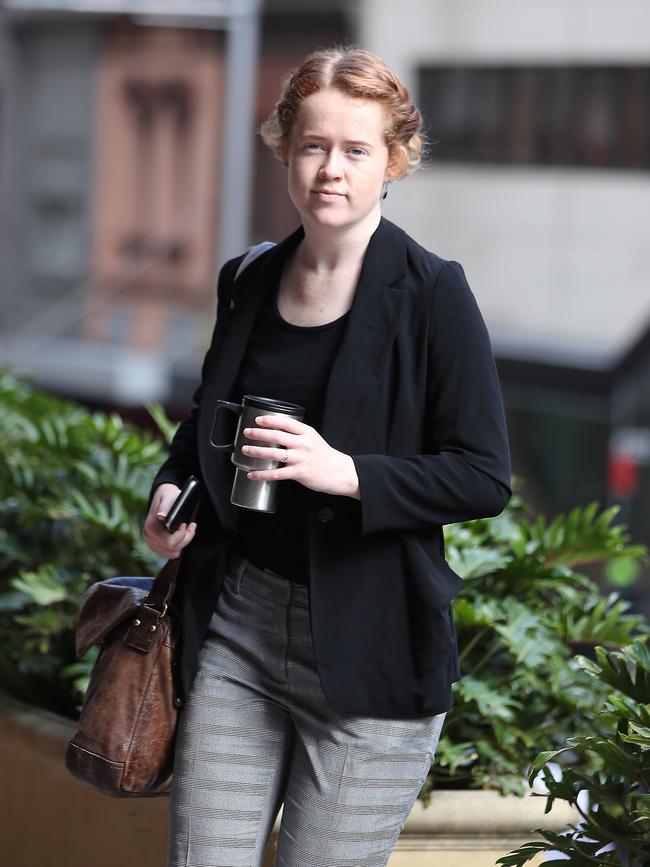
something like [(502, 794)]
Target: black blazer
[(414, 397)]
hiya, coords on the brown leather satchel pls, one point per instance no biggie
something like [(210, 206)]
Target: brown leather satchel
[(124, 743)]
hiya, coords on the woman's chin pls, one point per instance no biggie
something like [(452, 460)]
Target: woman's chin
[(326, 217), (337, 217)]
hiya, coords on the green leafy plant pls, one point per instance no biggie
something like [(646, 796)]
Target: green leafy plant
[(615, 814), (73, 492), (523, 612)]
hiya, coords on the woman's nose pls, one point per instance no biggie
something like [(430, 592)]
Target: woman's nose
[(331, 165)]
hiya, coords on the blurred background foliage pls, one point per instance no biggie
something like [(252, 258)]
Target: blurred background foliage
[(73, 491), (525, 611)]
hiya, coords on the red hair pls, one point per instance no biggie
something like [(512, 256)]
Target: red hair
[(359, 74)]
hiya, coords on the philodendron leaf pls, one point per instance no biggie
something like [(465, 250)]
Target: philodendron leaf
[(490, 701), (525, 853), (638, 735), (627, 670), (579, 538), (628, 709), (42, 587), (475, 612), (603, 620), (542, 759), (574, 850), (640, 652), (474, 562), (452, 755), (525, 634), (582, 851), (615, 757)]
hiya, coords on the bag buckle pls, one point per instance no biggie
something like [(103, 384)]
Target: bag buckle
[(161, 612)]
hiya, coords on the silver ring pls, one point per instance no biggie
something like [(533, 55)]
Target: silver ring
[(286, 455)]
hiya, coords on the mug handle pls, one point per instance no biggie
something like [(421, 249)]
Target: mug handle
[(231, 407)]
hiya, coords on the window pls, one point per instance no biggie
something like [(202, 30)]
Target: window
[(541, 115)]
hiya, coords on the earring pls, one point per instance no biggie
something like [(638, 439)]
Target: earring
[(384, 189)]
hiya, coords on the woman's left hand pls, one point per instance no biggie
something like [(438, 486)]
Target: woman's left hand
[(309, 459)]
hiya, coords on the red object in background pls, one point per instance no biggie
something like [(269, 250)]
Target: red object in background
[(622, 474)]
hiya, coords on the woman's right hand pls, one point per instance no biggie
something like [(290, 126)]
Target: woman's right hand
[(154, 533)]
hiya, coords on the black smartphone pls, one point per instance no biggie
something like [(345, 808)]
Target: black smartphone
[(184, 504)]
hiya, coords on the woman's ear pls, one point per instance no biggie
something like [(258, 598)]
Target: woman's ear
[(397, 167)]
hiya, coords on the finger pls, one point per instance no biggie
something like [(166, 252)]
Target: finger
[(271, 475), (162, 508), (160, 541), (282, 422), (276, 437), (165, 551), (187, 538), (269, 454), (175, 539), (153, 528), (166, 501)]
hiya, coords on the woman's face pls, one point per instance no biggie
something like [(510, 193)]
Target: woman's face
[(338, 160)]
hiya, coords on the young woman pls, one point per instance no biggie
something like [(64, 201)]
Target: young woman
[(318, 642)]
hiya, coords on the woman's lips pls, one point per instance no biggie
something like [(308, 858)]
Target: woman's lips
[(328, 195)]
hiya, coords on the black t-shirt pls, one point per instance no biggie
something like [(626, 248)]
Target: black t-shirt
[(290, 363)]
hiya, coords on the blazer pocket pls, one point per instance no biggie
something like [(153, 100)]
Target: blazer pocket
[(432, 568)]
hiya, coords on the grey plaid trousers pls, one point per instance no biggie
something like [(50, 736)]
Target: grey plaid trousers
[(257, 732)]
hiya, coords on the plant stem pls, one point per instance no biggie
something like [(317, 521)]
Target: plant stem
[(472, 643), (496, 643)]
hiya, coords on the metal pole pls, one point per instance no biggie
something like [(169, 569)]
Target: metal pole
[(238, 131), (11, 206)]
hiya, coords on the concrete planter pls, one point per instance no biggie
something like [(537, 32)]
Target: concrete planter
[(50, 818)]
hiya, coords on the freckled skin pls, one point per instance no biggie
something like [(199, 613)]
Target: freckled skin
[(338, 160)]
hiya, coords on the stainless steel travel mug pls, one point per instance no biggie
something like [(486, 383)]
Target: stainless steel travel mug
[(248, 494)]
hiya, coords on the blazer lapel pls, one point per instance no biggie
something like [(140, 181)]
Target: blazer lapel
[(250, 290), (365, 348)]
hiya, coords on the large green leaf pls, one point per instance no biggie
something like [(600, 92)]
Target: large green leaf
[(628, 670), (525, 634), (42, 587), (489, 701)]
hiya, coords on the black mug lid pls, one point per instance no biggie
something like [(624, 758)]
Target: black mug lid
[(271, 404)]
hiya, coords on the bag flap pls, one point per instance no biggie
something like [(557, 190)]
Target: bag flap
[(105, 605)]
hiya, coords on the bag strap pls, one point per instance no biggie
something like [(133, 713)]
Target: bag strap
[(251, 255), (164, 585)]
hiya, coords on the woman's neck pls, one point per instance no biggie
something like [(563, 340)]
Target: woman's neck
[(326, 250)]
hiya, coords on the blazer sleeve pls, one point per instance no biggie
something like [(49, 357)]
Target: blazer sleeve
[(465, 473), (183, 459)]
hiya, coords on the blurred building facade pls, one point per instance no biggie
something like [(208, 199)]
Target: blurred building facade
[(129, 169), (538, 117)]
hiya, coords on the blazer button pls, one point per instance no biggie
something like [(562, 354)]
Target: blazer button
[(325, 515)]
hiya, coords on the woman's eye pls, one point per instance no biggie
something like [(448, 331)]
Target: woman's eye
[(357, 152), (312, 146)]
